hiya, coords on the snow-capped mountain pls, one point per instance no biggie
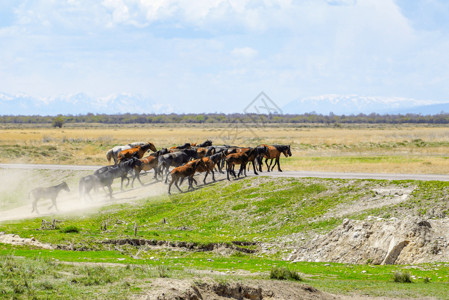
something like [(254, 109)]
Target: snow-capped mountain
[(23, 104), (354, 104)]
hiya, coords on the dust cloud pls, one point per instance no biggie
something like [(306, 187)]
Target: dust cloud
[(16, 184)]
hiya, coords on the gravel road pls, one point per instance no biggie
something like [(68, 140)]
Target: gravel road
[(298, 174)]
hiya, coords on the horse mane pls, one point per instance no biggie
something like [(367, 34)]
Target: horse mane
[(109, 155), (281, 147)]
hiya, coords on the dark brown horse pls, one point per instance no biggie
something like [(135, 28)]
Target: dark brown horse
[(274, 153), (138, 152)]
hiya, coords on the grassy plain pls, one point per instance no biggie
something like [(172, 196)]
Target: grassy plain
[(266, 217), (354, 148), (270, 216)]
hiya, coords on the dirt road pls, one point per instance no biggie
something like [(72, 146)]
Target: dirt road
[(297, 174)]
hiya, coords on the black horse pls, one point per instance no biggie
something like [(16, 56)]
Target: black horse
[(174, 159), (86, 184), (106, 175), (205, 144)]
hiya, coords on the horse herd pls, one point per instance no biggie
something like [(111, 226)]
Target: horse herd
[(186, 160)]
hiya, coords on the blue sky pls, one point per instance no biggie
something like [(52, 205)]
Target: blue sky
[(217, 55)]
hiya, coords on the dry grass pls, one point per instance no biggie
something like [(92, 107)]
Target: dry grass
[(393, 149)]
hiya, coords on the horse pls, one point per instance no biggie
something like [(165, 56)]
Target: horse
[(208, 166), (182, 147), (205, 144), (106, 175), (238, 159), (86, 184), (148, 163), (274, 152), (113, 152), (137, 151), (175, 159), (187, 170), (47, 193)]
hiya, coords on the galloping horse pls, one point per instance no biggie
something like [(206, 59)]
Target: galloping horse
[(274, 152), (175, 159), (106, 175), (187, 170), (113, 152), (47, 193), (148, 163), (137, 151), (183, 147), (205, 144)]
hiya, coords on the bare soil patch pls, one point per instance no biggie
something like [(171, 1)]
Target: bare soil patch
[(168, 289), (411, 240)]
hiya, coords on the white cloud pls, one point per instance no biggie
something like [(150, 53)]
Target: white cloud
[(195, 50), (244, 52)]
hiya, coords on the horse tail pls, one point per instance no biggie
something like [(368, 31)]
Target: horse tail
[(109, 155)]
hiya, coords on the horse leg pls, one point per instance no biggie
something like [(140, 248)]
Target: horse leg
[(207, 173), (121, 183), (266, 162), (110, 192), (254, 167), (227, 170), (242, 166), (54, 204), (279, 165), (166, 170), (169, 186), (176, 184), (213, 175), (34, 205), (271, 163), (260, 163)]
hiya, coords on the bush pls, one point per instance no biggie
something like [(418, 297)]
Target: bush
[(284, 274), (402, 277), (69, 229)]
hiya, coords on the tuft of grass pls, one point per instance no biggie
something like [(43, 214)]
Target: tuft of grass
[(163, 271), (402, 277), (283, 273), (69, 229)]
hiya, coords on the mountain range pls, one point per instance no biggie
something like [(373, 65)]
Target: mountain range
[(80, 103), (76, 104), (354, 104)]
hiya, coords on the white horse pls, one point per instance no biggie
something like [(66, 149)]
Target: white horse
[(112, 153)]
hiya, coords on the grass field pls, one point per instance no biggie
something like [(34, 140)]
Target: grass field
[(261, 214), (357, 148), (226, 231)]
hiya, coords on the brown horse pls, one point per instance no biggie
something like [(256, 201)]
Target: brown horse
[(187, 170), (274, 152), (148, 163), (137, 152), (241, 159)]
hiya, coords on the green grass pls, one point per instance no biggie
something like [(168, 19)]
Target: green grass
[(250, 210)]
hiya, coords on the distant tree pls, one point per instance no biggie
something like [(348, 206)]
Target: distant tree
[(58, 121)]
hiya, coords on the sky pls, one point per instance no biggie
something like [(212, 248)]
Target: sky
[(217, 55)]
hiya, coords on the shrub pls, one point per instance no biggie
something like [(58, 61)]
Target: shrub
[(70, 228), (282, 273), (402, 277)]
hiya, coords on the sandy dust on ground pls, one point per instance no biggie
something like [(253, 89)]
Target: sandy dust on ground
[(70, 202)]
